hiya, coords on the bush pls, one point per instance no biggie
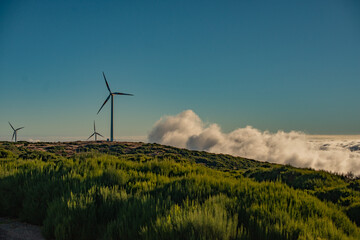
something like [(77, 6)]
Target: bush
[(132, 196), (6, 153)]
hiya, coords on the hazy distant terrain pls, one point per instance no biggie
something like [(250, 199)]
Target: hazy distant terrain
[(328, 142), (134, 190)]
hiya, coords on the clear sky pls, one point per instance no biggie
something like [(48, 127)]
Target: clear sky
[(290, 65)]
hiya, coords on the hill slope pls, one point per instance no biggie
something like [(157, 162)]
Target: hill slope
[(87, 190)]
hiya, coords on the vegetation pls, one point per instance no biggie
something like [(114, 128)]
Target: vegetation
[(148, 191)]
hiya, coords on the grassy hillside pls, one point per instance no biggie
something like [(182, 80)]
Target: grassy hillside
[(85, 190)]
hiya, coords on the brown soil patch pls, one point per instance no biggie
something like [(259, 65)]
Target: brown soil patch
[(69, 149), (12, 229)]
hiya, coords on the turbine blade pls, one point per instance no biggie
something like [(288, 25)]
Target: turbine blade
[(119, 93), (19, 128), (104, 103), (94, 127), (100, 134), (107, 85), (11, 126), (90, 136), (13, 136)]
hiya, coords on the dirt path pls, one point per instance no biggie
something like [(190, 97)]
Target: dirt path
[(11, 229)]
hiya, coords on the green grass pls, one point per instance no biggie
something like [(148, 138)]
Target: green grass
[(159, 192)]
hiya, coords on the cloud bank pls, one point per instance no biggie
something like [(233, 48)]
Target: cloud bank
[(187, 130)]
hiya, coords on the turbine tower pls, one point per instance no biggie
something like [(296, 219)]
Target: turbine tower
[(111, 94), (95, 133), (15, 132)]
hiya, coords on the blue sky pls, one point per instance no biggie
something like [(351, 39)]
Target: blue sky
[(289, 65)]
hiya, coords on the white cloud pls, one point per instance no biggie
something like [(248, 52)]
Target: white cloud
[(186, 130)]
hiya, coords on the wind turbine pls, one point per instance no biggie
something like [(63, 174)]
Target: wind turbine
[(95, 133), (111, 94), (15, 132)]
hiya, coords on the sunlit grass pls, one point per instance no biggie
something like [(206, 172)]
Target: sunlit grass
[(138, 196)]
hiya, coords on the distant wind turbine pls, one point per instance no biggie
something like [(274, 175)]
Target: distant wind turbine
[(15, 132), (111, 94), (95, 133)]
